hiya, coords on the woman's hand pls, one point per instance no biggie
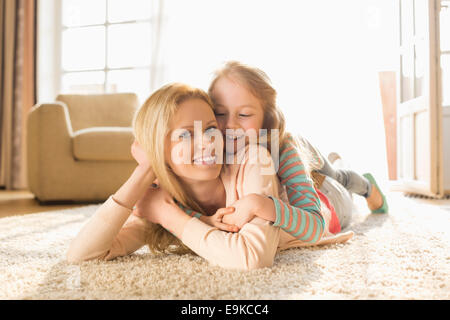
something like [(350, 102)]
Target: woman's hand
[(251, 206), (216, 220), (140, 156), (154, 204), (157, 206)]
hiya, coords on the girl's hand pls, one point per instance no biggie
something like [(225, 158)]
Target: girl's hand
[(216, 220), (251, 206), (153, 205)]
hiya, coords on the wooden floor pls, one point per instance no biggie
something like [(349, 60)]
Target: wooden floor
[(23, 202)]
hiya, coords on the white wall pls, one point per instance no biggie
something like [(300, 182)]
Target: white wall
[(322, 56)]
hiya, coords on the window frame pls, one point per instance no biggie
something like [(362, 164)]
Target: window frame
[(58, 46)]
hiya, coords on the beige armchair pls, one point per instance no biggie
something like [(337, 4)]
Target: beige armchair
[(78, 148)]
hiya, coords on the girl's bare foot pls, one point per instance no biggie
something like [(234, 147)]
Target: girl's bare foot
[(334, 156), (375, 200)]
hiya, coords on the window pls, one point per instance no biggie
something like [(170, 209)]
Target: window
[(322, 57), (106, 46)]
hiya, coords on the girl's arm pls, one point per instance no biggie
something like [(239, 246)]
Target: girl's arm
[(301, 217), (215, 220)]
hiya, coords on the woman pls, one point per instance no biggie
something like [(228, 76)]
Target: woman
[(164, 128)]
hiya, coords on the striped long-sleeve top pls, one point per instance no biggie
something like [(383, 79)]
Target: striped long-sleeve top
[(300, 217)]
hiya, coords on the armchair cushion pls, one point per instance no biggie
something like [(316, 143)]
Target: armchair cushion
[(103, 143)]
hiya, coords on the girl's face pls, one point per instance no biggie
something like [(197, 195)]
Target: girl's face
[(236, 108), (194, 145)]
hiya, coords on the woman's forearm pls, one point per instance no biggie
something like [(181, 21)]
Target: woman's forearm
[(174, 219), (134, 188), (96, 238), (254, 246)]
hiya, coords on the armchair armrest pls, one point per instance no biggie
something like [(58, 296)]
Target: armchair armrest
[(49, 133)]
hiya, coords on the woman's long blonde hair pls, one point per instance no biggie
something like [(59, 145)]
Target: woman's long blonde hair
[(151, 127), (258, 83)]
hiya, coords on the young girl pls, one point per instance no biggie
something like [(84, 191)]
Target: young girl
[(244, 99), (163, 128)]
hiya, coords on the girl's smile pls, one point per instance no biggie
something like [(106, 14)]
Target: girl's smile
[(237, 110)]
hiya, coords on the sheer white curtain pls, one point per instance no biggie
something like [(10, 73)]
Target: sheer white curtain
[(323, 58)]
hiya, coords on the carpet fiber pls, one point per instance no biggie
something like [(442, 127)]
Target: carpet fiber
[(403, 255)]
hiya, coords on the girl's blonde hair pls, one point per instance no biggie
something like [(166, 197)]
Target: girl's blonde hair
[(258, 83), (151, 127)]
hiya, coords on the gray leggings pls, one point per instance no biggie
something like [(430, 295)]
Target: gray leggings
[(341, 200), (339, 186), (350, 180)]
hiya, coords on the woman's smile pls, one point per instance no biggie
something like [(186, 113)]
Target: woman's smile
[(205, 161)]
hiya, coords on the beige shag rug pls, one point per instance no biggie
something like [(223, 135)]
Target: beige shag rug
[(403, 255)]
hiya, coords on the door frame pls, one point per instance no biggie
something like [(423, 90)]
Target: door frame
[(435, 188)]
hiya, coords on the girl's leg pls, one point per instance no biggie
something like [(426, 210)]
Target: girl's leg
[(341, 200), (354, 182), (349, 179)]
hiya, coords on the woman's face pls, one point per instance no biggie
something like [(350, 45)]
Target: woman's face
[(194, 145), (236, 108)]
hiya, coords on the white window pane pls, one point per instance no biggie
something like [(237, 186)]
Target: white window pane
[(445, 26), (83, 12), (129, 45), (407, 74), (445, 65), (128, 10), (420, 60), (137, 81), (407, 20), (83, 82), (83, 48), (420, 17)]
